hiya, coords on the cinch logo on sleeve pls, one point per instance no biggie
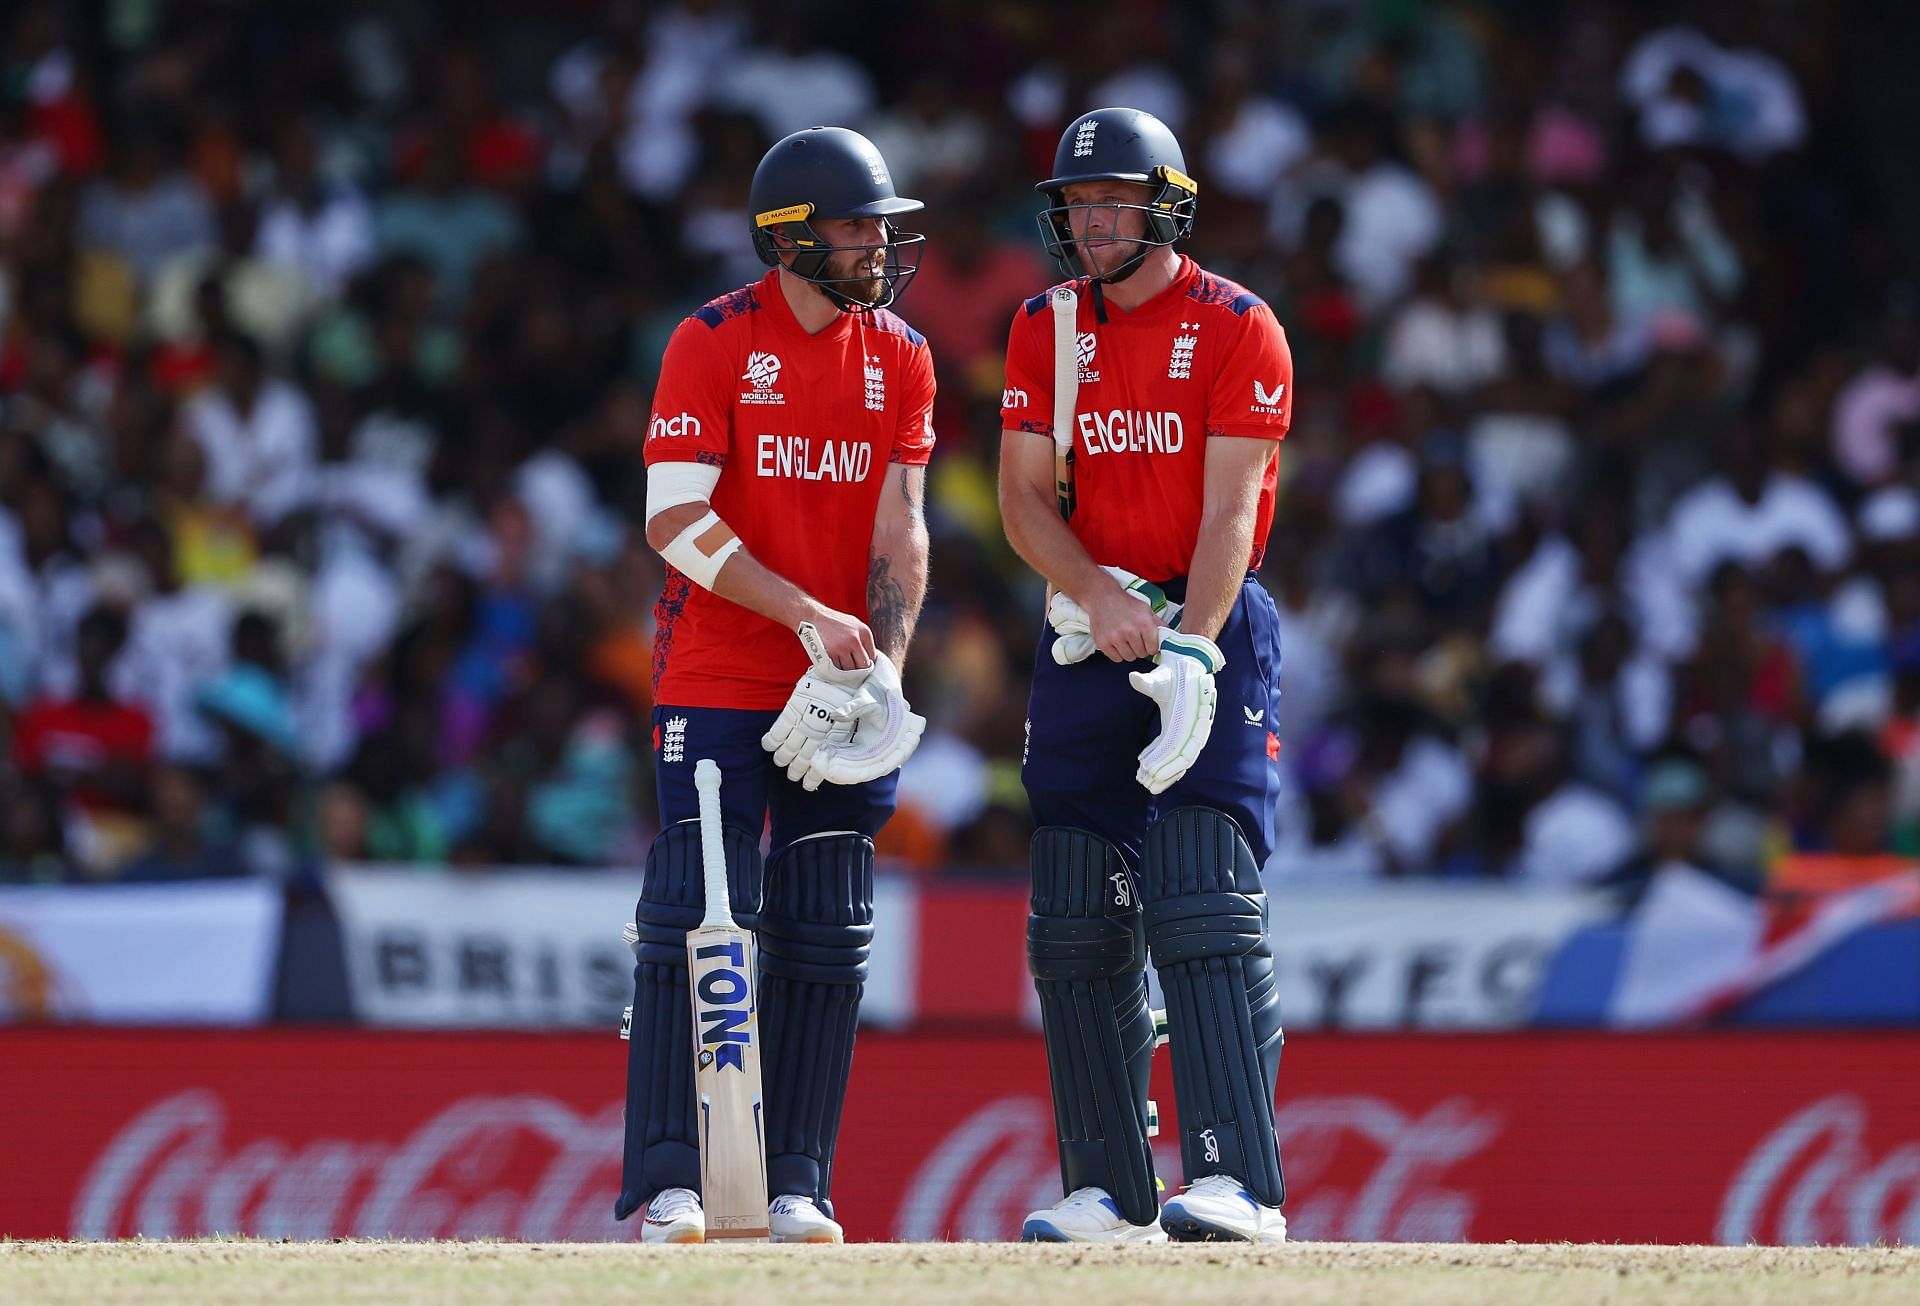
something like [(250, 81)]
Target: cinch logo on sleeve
[(661, 428), (1013, 397), (1129, 430), (1267, 401), (763, 370), (800, 457)]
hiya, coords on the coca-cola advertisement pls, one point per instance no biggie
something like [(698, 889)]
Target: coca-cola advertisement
[(1730, 1138)]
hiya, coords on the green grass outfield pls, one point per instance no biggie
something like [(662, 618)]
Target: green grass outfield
[(256, 1272)]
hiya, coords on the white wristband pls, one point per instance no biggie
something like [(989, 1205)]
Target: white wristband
[(702, 549)]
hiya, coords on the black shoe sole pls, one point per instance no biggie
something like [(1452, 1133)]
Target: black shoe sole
[(1192, 1231)]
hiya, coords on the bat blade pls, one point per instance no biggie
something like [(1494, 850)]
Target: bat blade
[(726, 1034)]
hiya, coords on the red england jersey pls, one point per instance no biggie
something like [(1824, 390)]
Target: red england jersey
[(1204, 359), (802, 428)]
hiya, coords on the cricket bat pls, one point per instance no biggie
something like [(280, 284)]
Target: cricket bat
[(722, 972), (1066, 392)]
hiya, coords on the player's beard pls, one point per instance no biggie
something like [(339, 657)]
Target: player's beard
[(852, 264)]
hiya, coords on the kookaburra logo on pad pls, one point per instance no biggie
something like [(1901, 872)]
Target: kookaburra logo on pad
[(1122, 889), (1211, 1144)]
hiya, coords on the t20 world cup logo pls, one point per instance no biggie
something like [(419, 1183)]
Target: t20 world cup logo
[(762, 370)]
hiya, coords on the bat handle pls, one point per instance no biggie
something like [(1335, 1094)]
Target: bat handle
[(713, 851)]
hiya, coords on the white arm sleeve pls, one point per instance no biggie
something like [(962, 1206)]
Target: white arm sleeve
[(671, 484), (702, 549)]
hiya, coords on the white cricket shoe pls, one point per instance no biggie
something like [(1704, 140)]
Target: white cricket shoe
[(1218, 1208), (1087, 1215), (674, 1216), (793, 1219)]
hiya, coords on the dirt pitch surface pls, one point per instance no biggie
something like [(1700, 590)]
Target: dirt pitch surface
[(256, 1273)]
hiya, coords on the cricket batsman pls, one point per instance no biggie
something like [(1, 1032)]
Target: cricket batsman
[(786, 466), (1144, 407)]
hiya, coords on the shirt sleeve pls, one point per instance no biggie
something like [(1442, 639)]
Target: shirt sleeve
[(692, 407), (1027, 402), (1252, 392), (913, 438)]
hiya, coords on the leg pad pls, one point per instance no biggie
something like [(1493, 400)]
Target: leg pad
[(816, 928), (1087, 951), (1207, 925)]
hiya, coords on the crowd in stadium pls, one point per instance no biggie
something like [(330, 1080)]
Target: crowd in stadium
[(328, 335)]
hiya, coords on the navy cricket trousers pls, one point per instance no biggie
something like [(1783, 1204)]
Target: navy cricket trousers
[(1086, 727), (752, 789)]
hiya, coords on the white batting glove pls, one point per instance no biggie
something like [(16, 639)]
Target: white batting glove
[(1181, 682), (885, 733), (819, 711), (1075, 633)]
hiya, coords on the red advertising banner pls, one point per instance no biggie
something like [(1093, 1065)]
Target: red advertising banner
[(1652, 1138)]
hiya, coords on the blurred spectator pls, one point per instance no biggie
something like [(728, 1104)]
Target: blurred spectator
[(1571, 580), (967, 277), (787, 82), (1256, 140), (1850, 811), (1587, 344), (179, 848), (1446, 337), (938, 140), (1691, 90), (1675, 803), (1875, 415), (1740, 695), (1670, 264), (177, 638), (1437, 556), (146, 210), (1392, 218), (326, 353), (318, 226), (257, 432), (1750, 512), (30, 838), (443, 219), (91, 747)]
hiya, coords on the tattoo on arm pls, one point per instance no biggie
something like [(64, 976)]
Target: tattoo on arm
[(913, 487), (887, 608)]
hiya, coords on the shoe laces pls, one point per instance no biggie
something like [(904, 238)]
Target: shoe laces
[(672, 1203), (791, 1204), (1218, 1185), (1081, 1197)]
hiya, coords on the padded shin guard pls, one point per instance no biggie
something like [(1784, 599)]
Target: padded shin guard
[(1087, 951), (816, 927), (662, 1140), (1207, 926)]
